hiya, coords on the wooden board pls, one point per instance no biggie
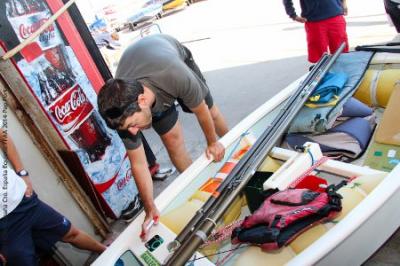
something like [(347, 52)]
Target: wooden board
[(388, 131)]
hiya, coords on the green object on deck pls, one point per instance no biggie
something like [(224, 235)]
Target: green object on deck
[(149, 259), (382, 157)]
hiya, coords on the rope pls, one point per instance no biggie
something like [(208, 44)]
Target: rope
[(228, 256), (222, 233), (218, 253), (308, 171)]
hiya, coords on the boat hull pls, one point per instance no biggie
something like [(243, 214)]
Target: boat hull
[(350, 242)]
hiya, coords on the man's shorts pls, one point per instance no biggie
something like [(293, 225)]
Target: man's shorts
[(32, 226), (163, 122)]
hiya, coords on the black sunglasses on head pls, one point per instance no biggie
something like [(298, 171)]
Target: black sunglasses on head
[(115, 112)]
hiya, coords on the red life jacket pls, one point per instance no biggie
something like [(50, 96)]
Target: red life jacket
[(286, 214)]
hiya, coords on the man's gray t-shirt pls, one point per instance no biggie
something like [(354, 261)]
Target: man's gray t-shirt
[(158, 62)]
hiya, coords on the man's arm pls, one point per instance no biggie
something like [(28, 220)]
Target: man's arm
[(292, 12), (7, 145), (345, 10), (203, 115), (289, 8), (144, 183)]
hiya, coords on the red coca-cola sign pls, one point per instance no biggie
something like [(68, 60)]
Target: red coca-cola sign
[(25, 26), (26, 30), (71, 108)]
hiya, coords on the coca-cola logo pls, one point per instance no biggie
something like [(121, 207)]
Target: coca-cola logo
[(76, 100), (122, 183), (27, 30)]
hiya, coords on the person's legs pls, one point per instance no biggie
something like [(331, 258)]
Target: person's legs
[(16, 242), (220, 124), (20, 249), (82, 240), (317, 40), (175, 145), (51, 227), (337, 34), (170, 131)]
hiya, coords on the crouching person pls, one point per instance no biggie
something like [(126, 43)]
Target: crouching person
[(26, 223)]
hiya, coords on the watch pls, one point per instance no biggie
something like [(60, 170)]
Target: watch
[(22, 173)]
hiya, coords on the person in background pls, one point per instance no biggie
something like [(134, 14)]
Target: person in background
[(392, 8), (152, 74), (26, 223), (324, 24)]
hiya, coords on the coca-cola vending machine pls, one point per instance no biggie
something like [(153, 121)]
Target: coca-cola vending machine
[(64, 85)]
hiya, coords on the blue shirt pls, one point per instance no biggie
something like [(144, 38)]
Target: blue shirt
[(315, 10)]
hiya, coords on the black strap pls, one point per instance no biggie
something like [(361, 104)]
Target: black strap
[(380, 47), (276, 220)]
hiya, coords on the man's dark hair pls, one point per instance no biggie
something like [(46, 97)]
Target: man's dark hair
[(117, 100)]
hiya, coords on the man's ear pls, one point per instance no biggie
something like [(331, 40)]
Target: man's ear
[(147, 98), (143, 101)]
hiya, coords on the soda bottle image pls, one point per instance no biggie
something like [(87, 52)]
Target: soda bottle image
[(52, 81), (26, 17), (68, 104), (15, 8), (77, 117), (92, 137), (45, 89)]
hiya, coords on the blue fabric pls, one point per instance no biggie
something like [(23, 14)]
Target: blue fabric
[(331, 85), (356, 127), (355, 108), (298, 140), (318, 120), (32, 226), (315, 10)]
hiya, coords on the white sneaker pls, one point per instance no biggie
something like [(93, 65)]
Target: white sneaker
[(163, 173)]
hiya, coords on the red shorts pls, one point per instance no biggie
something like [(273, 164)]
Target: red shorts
[(326, 33)]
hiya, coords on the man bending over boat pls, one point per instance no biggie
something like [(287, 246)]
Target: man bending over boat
[(152, 74)]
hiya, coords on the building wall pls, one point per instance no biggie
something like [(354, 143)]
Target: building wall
[(49, 187)]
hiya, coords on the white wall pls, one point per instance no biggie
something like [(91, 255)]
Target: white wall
[(49, 188)]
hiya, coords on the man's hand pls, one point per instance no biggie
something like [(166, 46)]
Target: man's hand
[(345, 10), (215, 151), (3, 260), (29, 188), (300, 19), (152, 217)]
